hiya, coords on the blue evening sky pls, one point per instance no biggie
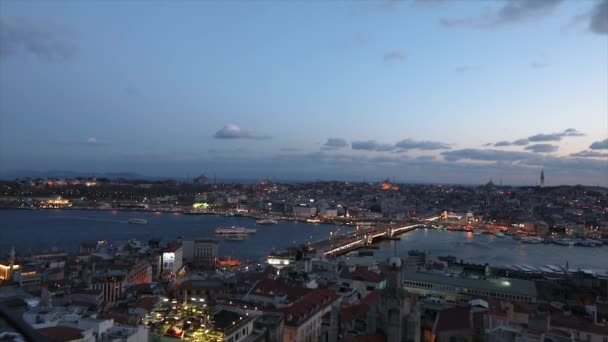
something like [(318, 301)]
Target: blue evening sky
[(255, 89)]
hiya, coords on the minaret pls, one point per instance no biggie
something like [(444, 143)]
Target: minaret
[(542, 178), (11, 259)]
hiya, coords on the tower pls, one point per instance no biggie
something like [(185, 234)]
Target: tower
[(394, 303), (11, 259), (542, 178)]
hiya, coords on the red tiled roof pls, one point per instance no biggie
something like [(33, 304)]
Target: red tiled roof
[(301, 310), (146, 303), (271, 287), (579, 323), (353, 312), (61, 334), (362, 274), (453, 319), (371, 298)]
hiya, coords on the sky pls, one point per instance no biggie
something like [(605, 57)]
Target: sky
[(433, 91)]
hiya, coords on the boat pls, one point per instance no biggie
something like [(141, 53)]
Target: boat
[(499, 234), (477, 232), (311, 220), (194, 212), (138, 221), (554, 268), (234, 231), (235, 237), (266, 221), (531, 239), (564, 242)]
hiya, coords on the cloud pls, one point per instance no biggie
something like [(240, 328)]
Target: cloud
[(487, 144), (92, 141), (512, 12), (542, 148), (600, 145), (409, 144), (462, 68), (334, 143), (371, 145), (521, 10), (546, 137), (538, 65), (569, 165), (394, 56), (485, 155), (521, 142), (589, 154), (570, 132), (425, 158), (599, 18), (232, 131), (46, 41), (502, 143)]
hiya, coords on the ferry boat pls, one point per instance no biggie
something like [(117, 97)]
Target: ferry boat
[(266, 221), (234, 231), (313, 220), (138, 221)]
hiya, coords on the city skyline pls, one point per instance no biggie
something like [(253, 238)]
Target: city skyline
[(422, 91)]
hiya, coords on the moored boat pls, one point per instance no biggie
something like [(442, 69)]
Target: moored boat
[(138, 221), (234, 231), (266, 221)]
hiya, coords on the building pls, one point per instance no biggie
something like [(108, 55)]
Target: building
[(303, 317), (458, 324), (172, 259), (461, 289), (140, 271), (112, 284), (201, 253), (396, 315), (362, 279), (304, 211), (235, 327)]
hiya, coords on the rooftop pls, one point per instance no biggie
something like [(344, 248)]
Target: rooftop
[(301, 310), (363, 274), (457, 318), (499, 285), (225, 320), (61, 334)]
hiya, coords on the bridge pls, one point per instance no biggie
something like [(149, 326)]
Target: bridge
[(347, 242)]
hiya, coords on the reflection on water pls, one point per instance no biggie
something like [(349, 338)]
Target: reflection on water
[(497, 251)]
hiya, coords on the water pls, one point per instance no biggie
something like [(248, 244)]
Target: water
[(31, 231), (64, 229), (487, 248)]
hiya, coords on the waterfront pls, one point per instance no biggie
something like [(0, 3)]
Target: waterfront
[(36, 230), (487, 248), (32, 231)]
